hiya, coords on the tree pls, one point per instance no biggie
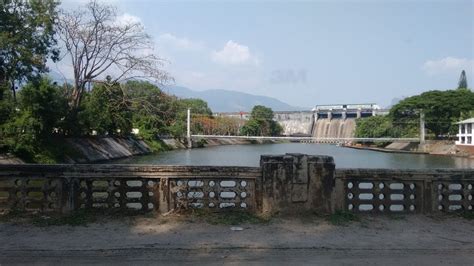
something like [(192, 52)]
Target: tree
[(45, 102), (462, 80), (261, 123), (39, 112), (373, 127), (153, 111), (442, 109), (97, 42), (107, 111), (197, 106), (26, 40)]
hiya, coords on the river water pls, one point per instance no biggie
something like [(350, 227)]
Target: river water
[(249, 155)]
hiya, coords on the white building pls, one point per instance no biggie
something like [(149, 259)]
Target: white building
[(466, 133)]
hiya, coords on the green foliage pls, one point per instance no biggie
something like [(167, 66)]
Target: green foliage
[(39, 111), (153, 111), (32, 128), (26, 39), (342, 218), (260, 112), (373, 127), (384, 126), (156, 145), (6, 104), (261, 123), (197, 106), (106, 110), (442, 109), (462, 84), (44, 101)]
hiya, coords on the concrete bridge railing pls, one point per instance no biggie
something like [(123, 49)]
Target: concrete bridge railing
[(283, 183)]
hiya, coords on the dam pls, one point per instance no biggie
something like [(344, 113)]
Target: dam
[(323, 121), (339, 121)]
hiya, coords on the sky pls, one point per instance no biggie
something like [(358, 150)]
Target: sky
[(310, 52)]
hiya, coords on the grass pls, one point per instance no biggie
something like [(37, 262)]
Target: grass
[(468, 215), (156, 145), (342, 218), (85, 217)]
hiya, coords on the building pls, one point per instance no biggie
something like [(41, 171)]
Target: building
[(466, 134)]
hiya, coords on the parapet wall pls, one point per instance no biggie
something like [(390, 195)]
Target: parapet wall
[(283, 183)]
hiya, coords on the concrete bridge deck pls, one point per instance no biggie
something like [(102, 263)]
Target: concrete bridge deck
[(308, 240)]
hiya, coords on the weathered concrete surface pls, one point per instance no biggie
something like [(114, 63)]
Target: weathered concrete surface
[(107, 148), (436, 147), (410, 240), (10, 159), (296, 182), (94, 149), (295, 122)]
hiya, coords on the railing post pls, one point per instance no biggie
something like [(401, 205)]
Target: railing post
[(69, 191), (296, 183)]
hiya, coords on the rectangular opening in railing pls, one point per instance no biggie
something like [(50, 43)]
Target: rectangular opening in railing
[(382, 196)]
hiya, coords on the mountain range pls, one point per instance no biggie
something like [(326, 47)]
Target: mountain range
[(230, 101)]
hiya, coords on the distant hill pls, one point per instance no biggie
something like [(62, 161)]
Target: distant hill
[(230, 101), (218, 100)]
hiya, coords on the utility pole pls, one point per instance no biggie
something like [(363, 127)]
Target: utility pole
[(188, 132), (422, 127)]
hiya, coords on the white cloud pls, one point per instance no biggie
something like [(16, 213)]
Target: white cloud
[(447, 64), (170, 40), (126, 18), (234, 54)]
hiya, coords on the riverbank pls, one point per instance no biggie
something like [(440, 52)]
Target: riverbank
[(432, 147), (304, 240), (103, 149), (86, 150)]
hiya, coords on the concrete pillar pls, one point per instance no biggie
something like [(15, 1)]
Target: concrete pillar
[(344, 114), (294, 183), (329, 115), (359, 113)]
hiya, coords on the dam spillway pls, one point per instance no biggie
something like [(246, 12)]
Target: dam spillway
[(334, 128)]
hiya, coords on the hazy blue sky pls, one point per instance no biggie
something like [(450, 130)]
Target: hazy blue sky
[(312, 52)]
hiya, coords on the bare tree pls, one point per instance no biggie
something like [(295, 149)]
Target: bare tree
[(98, 43)]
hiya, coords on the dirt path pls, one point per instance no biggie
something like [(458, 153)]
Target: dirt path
[(416, 240)]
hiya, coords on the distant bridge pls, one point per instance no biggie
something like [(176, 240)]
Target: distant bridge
[(307, 139)]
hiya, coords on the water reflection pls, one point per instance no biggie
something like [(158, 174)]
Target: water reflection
[(249, 155)]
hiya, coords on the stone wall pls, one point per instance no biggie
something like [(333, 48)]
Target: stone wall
[(64, 188), (287, 183)]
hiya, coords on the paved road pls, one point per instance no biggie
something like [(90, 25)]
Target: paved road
[(242, 256), (413, 240)]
